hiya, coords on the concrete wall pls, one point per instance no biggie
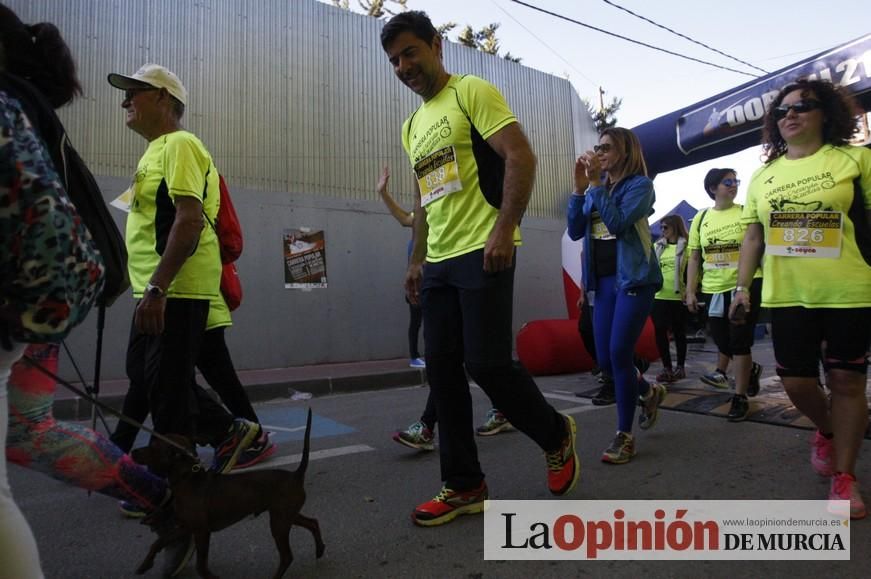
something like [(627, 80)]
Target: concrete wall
[(299, 107), (362, 315)]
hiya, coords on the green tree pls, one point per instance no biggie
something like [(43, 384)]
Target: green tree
[(374, 8), (484, 39), (604, 116)]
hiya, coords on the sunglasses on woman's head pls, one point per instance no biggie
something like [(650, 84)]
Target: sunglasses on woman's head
[(803, 106), (603, 148), (730, 182)]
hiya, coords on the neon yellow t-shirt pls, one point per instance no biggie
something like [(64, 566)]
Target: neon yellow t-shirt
[(219, 313), (718, 234), (815, 189), (453, 165), (174, 165), (667, 265)]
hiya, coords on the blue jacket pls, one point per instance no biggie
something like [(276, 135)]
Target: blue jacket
[(630, 201)]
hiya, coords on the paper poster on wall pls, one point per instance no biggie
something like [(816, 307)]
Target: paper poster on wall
[(305, 259)]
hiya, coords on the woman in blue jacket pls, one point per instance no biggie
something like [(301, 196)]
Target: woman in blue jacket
[(609, 208)]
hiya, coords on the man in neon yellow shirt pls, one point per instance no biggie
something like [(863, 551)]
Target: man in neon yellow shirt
[(474, 172), (174, 265)]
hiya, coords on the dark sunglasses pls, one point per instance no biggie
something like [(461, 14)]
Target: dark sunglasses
[(603, 148), (799, 107), (730, 182), (132, 92)]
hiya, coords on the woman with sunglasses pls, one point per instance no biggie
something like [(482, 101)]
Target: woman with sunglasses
[(669, 311), (715, 242), (809, 212), (609, 208)]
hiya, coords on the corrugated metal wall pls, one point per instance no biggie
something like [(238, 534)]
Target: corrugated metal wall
[(288, 95)]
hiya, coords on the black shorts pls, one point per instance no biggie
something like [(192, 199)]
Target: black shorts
[(798, 334), (736, 339)]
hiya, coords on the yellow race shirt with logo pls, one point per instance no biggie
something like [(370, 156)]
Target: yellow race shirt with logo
[(219, 313), (718, 235), (667, 265), (174, 165), (444, 140), (808, 209)]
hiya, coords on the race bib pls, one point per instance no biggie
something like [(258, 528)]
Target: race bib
[(438, 175), (804, 233), (599, 230), (722, 256)]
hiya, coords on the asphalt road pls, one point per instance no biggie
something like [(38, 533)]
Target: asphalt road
[(362, 487)]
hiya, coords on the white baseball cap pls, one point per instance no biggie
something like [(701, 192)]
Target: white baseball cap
[(152, 75)]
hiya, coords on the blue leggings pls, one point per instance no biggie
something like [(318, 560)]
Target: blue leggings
[(618, 318)]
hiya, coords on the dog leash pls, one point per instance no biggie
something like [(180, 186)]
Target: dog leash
[(105, 407)]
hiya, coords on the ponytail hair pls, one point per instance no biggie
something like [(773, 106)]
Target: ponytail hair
[(56, 76), (38, 54)]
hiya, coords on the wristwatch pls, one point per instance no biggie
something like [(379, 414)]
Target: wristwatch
[(154, 291), (742, 288)]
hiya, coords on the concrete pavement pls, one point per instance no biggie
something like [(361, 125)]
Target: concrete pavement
[(362, 487)]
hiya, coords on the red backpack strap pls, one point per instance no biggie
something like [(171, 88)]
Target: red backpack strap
[(228, 229)]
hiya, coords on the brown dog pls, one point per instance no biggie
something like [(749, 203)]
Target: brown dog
[(206, 502)]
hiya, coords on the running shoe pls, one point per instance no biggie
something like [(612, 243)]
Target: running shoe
[(822, 454), (177, 555), (846, 488), (240, 436), (650, 405), (179, 549), (666, 376), (450, 504), (260, 450), (739, 410), (716, 379), (495, 423), (622, 449), (563, 465), (132, 510), (417, 363), (418, 436), (755, 374), (642, 364), (679, 374), (605, 395)]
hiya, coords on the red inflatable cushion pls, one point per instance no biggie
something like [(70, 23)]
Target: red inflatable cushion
[(555, 347)]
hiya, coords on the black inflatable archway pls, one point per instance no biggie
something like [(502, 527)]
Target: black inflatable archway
[(732, 121)]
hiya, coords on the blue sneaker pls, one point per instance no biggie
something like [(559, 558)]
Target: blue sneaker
[(132, 510), (417, 363)]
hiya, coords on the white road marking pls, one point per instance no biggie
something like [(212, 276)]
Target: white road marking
[(283, 428), (314, 455), (563, 397), (579, 409)]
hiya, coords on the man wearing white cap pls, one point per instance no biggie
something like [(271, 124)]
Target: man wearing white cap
[(174, 266)]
